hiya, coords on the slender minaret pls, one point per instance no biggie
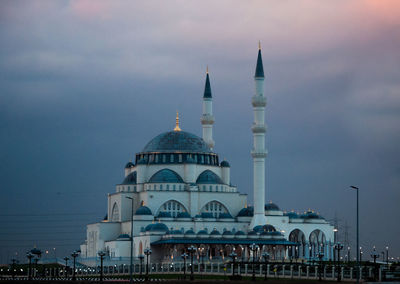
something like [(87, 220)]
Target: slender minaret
[(259, 153), (207, 120)]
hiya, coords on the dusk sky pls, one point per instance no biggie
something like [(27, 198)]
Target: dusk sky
[(84, 85)]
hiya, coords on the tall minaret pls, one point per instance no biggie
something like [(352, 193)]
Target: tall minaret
[(207, 120), (259, 153)]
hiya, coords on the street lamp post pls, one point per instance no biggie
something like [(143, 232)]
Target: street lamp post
[(348, 255), (265, 255), (387, 257), (141, 258), (254, 248), (74, 255), (147, 252), (338, 247), (358, 236), (320, 255), (66, 267), (233, 255), (184, 256), (131, 239), (192, 251), (101, 254), (375, 255), (29, 255)]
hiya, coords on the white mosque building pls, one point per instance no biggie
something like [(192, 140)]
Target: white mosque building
[(178, 193)]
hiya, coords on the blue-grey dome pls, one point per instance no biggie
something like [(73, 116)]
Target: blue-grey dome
[(225, 164), (143, 210), (292, 215), (130, 179), (176, 232), (252, 233), (157, 227), (129, 165), (240, 233), (164, 214), (271, 207), (207, 215), (311, 215), (209, 177), (202, 232), (183, 215), (225, 216), (190, 232), (177, 141), (166, 175), (226, 233), (246, 212), (215, 232)]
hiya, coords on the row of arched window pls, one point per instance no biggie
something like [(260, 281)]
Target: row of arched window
[(175, 187), (206, 159)]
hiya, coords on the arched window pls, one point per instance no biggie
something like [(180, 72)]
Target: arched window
[(215, 208), (173, 207), (115, 213)]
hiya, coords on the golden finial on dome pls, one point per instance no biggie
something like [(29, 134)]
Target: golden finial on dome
[(245, 204), (259, 45), (207, 70), (177, 122)]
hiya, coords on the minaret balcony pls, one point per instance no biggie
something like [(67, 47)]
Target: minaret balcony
[(259, 101), (207, 119), (259, 153), (259, 128)]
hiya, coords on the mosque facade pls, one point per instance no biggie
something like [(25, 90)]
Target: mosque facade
[(178, 193)]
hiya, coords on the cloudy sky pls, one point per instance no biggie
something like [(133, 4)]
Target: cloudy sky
[(84, 85)]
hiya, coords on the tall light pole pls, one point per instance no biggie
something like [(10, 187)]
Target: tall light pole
[(29, 255), (184, 256), (74, 255), (66, 266), (141, 258), (358, 236), (254, 248), (387, 257), (192, 251), (101, 254), (233, 255), (147, 252), (131, 239), (265, 255)]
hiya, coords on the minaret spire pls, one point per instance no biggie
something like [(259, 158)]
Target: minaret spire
[(258, 152), (177, 122), (207, 120)]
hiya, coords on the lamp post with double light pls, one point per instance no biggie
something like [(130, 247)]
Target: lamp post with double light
[(184, 256), (233, 255), (375, 255), (74, 256), (265, 255), (254, 248), (66, 266), (102, 255), (338, 247), (147, 252), (320, 255), (192, 251)]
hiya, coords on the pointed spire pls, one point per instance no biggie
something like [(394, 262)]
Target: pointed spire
[(177, 122), (259, 68), (207, 88)]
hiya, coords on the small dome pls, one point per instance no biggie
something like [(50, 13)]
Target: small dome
[(265, 228), (183, 215), (225, 164), (36, 251), (124, 236), (177, 141), (240, 233), (166, 175), (190, 232), (129, 165), (271, 207), (176, 232), (246, 212), (276, 233), (226, 233), (202, 232), (207, 215), (164, 214), (225, 216), (157, 227), (130, 179), (311, 215), (252, 233), (208, 177), (292, 215), (143, 210), (215, 232)]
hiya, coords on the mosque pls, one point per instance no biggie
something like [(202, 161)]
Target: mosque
[(178, 193)]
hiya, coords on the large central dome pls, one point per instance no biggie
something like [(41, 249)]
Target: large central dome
[(177, 141)]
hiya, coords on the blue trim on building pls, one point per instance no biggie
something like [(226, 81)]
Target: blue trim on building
[(223, 241)]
